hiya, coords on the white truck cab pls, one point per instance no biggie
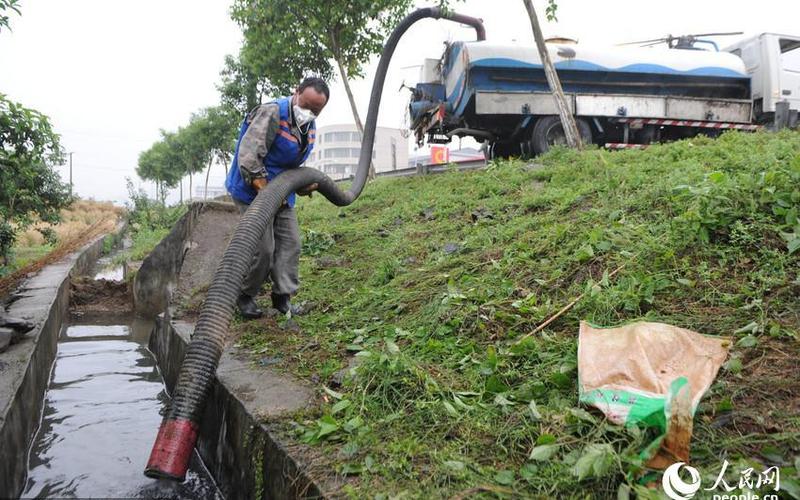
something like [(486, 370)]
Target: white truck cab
[(773, 63)]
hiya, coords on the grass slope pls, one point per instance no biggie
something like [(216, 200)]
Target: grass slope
[(423, 286)]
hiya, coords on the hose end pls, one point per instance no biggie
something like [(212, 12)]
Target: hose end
[(172, 450)]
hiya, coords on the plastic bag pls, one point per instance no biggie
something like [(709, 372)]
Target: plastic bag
[(649, 374)]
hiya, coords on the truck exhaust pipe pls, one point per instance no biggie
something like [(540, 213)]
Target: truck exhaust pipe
[(177, 435)]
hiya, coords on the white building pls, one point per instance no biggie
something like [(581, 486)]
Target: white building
[(338, 147)]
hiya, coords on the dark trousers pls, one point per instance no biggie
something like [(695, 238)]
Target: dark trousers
[(278, 255)]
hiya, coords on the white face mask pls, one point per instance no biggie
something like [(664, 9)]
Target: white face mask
[(303, 116)]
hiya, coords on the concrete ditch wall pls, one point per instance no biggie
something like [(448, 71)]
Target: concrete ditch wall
[(245, 457), (25, 367), (157, 278)]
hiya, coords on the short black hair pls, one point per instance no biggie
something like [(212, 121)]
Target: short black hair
[(317, 84)]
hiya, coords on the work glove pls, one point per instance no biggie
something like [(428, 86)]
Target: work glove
[(306, 191)]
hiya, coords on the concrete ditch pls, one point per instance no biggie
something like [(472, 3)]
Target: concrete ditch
[(196, 241), (25, 367), (247, 457)]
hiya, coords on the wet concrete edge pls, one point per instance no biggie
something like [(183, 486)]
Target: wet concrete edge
[(245, 457), (25, 367)]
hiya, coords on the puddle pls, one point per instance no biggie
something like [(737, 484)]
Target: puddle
[(101, 414), (111, 273), (106, 269)]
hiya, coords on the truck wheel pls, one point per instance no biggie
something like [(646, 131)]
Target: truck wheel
[(548, 132), (502, 150)]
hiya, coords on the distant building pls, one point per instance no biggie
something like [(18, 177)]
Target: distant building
[(338, 147)]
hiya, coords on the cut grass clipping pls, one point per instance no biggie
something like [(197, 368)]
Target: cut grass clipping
[(422, 289)]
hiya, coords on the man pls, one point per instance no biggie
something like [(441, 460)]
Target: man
[(275, 137)]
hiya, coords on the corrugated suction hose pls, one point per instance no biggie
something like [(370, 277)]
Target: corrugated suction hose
[(178, 432)]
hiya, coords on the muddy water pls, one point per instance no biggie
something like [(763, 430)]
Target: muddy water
[(101, 415)]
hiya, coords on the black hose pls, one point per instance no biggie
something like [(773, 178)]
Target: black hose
[(178, 432)]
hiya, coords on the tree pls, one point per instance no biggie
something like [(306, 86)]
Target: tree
[(222, 131), (5, 7), (278, 50), (191, 154), (241, 88), (567, 120), (162, 164), (217, 126), (210, 135), (286, 40), (29, 147), (29, 187), (147, 167)]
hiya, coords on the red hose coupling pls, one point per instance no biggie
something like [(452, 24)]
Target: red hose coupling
[(172, 450)]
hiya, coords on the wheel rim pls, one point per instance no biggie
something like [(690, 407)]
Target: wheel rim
[(556, 137)]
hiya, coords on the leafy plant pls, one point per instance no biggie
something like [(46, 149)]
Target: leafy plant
[(150, 221), (317, 242), (5, 7), (30, 188), (49, 234)]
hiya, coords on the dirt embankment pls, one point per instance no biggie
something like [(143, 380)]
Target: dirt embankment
[(100, 296)]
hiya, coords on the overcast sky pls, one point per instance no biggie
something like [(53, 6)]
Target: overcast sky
[(111, 73)]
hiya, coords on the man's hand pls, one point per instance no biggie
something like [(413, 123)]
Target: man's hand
[(306, 191), (259, 183)]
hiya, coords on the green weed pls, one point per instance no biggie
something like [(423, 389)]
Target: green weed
[(443, 274)]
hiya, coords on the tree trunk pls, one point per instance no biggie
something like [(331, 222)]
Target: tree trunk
[(353, 106), (181, 187), (190, 186), (567, 120), (208, 171)]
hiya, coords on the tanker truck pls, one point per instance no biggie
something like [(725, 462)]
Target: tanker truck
[(621, 96)]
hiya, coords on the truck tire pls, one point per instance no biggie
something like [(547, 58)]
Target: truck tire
[(502, 150), (548, 132)]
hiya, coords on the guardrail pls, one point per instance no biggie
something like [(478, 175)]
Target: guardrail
[(428, 169)]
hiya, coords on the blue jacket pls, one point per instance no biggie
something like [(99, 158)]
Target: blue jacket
[(283, 153)]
